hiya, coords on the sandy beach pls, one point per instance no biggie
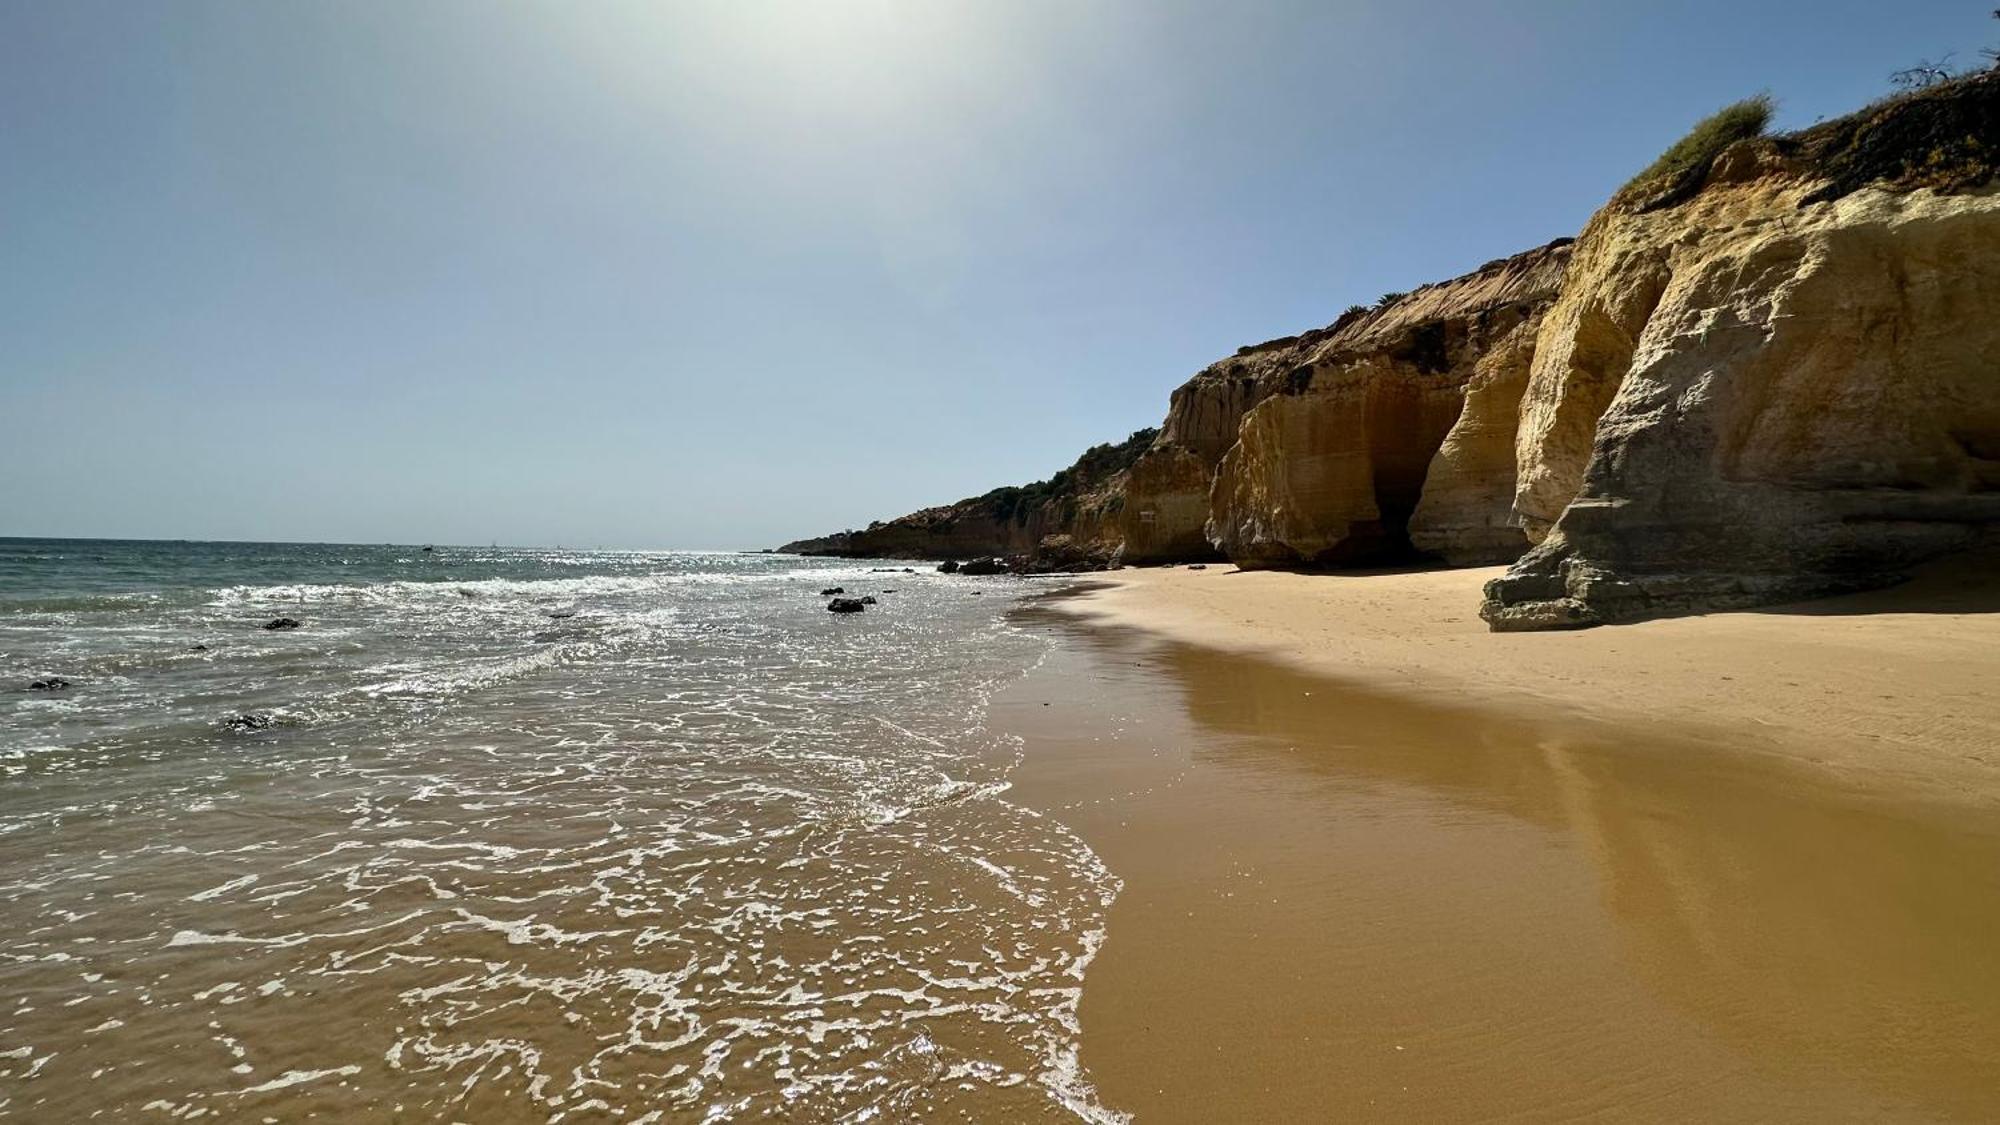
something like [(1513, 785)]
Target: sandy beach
[(1379, 865), (1894, 686)]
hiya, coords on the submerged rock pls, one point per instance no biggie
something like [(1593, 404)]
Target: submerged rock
[(282, 623), (848, 605), (247, 722), (53, 683), (832, 590), (868, 599)]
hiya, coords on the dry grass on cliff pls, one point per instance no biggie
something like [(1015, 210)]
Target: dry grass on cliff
[(1680, 170), (1945, 137)]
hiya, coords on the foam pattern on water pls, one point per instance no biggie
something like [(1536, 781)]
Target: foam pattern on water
[(645, 838)]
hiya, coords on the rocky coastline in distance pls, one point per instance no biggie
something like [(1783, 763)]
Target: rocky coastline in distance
[(1766, 370)]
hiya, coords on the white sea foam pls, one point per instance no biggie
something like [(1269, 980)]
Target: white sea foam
[(595, 835)]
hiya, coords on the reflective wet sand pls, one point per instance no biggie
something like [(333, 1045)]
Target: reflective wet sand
[(1340, 905)]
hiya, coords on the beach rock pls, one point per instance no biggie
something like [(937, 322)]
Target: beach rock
[(848, 605), (832, 590), (1762, 393), (282, 623), (197, 648), (948, 566), (53, 683), (1197, 566), (868, 599), (983, 566), (247, 723)]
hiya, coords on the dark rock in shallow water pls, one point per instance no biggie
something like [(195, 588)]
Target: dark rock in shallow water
[(53, 683), (197, 648), (282, 623), (832, 590), (869, 600), (247, 722), (948, 566), (983, 566), (848, 605)]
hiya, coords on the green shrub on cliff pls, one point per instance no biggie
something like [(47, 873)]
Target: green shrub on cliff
[(1010, 502), (1679, 170)]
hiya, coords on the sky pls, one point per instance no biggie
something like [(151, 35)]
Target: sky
[(718, 275)]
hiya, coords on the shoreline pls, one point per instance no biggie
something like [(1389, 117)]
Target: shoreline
[(1885, 689)]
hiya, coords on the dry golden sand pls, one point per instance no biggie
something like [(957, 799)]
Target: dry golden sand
[(1540, 883), (1894, 686)]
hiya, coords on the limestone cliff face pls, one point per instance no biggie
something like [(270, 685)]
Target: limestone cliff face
[(1365, 450), (1786, 386)]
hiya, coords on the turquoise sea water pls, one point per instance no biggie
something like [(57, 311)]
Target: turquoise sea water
[(532, 835)]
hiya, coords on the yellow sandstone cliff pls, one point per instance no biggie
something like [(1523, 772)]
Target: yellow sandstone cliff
[(1771, 372)]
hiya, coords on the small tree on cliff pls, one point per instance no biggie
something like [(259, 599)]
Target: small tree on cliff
[(1924, 75)]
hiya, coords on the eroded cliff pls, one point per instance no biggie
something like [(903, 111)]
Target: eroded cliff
[(1784, 386), (1364, 451), (1772, 371), (1066, 522)]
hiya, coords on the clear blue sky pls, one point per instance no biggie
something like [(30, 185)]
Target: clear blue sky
[(720, 274)]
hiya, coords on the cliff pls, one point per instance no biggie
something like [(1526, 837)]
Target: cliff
[(1363, 452), (1785, 384), (1065, 522), (1768, 369)]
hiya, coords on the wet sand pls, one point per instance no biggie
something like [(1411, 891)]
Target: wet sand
[(1346, 903)]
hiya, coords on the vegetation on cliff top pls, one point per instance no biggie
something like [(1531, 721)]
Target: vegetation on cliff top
[(1945, 136), (1017, 503), (1679, 172)]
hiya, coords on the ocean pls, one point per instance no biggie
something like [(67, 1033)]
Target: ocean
[(514, 834)]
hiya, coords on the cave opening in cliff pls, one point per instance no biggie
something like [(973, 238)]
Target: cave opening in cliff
[(1407, 426)]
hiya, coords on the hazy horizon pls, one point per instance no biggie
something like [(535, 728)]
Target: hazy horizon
[(724, 275)]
